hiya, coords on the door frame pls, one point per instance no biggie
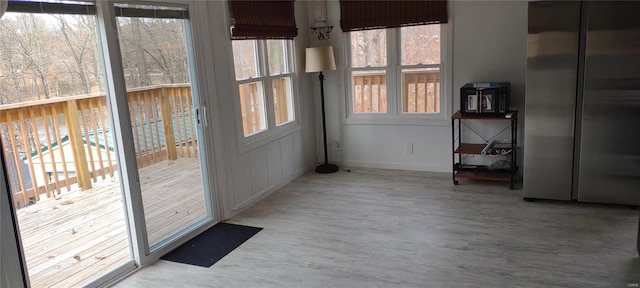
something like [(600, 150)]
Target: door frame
[(12, 263), (108, 34)]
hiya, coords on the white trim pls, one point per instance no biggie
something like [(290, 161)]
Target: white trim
[(13, 270), (206, 86), (118, 273), (392, 165), (272, 131), (267, 136), (215, 95), (404, 120)]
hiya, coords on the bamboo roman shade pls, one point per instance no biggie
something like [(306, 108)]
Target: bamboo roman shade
[(51, 7), (148, 11), (371, 14), (262, 19)]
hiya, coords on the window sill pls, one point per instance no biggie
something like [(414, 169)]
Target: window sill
[(246, 144), (399, 120)]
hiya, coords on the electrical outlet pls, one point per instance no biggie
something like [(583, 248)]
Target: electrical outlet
[(409, 147)]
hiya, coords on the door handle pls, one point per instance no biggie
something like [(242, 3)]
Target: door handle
[(201, 118), (197, 112), (204, 116)]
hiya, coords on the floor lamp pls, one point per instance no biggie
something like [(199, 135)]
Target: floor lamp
[(320, 59)]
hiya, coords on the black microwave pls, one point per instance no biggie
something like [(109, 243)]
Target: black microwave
[(485, 98)]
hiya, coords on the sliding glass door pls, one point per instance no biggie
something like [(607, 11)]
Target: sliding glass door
[(58, 147), (102, 132), (155, 44)]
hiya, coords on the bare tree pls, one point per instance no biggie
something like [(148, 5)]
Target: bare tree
[(78, 45), (30, 50), (160, 58), (7, 63), (138, 58)]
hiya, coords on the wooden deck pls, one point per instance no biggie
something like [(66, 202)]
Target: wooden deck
[(82, 235)]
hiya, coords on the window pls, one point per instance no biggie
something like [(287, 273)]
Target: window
[(264, 75), (369, 76), (396, 71)]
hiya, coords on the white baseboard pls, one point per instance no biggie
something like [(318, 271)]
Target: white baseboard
[(398, 166)]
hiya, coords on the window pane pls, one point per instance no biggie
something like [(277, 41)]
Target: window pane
[(283, 100), (254, 118), (421, 90), (420, 44), (369, 48), (60, 155), (153, 51), (369, 91), (244, 59), (277, 57), (163, 122)]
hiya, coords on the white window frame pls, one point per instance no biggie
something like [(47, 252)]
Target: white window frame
[(272, 131), (394, 114)]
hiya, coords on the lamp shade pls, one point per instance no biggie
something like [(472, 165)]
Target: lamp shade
[(320, 59), (3, 7)]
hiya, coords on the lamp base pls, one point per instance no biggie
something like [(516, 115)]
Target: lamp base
[(327, 168)]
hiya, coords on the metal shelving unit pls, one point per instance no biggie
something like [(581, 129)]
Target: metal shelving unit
[(481, 172)]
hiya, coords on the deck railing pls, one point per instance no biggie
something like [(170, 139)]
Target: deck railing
[(251, 104), (369, 92), (56, 144), (420, 92)]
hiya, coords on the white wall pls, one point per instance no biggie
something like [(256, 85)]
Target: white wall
[(492, 47), (488, 44), (253, 174)]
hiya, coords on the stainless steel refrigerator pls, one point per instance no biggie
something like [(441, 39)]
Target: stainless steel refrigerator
[(582, 103)]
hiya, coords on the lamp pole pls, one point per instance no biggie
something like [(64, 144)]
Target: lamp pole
[(325, 167), (321, 59)]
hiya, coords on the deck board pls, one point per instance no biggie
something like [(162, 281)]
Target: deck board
[(69, 241)]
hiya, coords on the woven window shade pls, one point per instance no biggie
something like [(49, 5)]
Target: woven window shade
[(51, 7), (262, 19), (371, 14)]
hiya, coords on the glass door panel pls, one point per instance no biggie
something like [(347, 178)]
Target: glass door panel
[(59, 153), (164, 120)]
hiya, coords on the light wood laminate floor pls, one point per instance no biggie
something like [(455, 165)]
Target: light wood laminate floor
[(389, 228)]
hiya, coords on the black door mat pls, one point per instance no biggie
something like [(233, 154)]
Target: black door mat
[(216, 242)]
